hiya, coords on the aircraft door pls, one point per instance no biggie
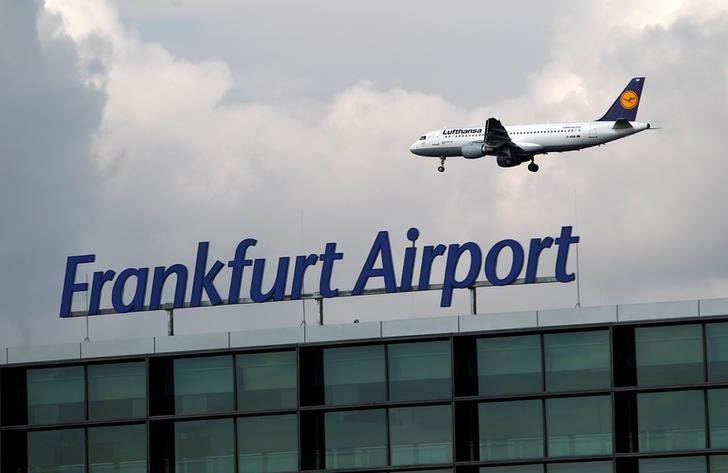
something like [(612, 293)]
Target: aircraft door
[(435, 139), (593, 130)]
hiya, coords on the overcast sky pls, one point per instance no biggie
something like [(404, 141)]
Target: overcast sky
[(134, 129)]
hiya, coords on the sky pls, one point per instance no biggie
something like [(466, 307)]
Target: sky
[(133, 130)]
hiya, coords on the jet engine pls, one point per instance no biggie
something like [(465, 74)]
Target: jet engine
[(506, 161), (473, 150)]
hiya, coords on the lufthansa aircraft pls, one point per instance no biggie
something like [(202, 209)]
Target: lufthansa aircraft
[(516, 144)]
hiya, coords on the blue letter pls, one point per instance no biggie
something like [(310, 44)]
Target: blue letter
[(537, 246), (408, 266), (69, 284), (160, 276), (299, 273), (278, 291), (563, 243), (491, 262), (381, 245), (100, 278), (453, 257), (428, 256), (238, 263), (330, 255), (204, 281), (117, 294)]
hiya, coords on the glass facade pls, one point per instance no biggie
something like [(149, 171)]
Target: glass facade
[(509, 365), (621, 398), (266, 381), (203, 385)]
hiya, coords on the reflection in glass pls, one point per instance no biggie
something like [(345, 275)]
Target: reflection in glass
[(268, 444), (355, 439), (671, 421), (716, 337), (579, 426), (673, 465), (419, 370), (509, 365), (719, 464), (354, 375), (203, 384), (266, 380), (580, 467), (577, 360), (420, 435), (510, 430), (669, 355), (53, 451), (718, 411), (513, 469), (204, 446), (117, 391), (118, 449), (55, 395)]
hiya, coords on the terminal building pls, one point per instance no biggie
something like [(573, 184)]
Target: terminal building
[(637, 388)]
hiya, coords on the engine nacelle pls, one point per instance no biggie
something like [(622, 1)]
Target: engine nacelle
[(473, 150), (506, 161)]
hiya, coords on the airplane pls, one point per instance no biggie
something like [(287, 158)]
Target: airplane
[(516, 144)]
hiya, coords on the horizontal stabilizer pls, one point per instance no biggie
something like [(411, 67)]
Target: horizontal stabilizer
[(622, 124)]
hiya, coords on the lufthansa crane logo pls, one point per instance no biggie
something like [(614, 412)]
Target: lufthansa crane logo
[(628, 100)]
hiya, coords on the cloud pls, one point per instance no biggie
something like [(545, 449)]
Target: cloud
[(168, 153)]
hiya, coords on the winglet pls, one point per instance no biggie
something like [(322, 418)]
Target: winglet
[(626, 105)]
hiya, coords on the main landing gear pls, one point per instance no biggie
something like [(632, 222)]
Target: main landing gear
[(533, 167), (441, 167)]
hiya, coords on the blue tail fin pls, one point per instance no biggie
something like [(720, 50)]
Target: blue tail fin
[(627, 103)]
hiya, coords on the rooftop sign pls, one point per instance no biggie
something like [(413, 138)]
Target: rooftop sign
[(379, 265)]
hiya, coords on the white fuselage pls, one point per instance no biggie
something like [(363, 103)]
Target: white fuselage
[(531, 139)]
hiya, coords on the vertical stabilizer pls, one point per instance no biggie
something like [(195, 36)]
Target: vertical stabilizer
[(627, 103)]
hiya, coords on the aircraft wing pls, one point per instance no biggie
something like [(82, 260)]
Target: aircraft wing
[(496, 137)]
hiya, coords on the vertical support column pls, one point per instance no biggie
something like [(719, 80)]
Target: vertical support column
[(170, 322), (473, 301), (320, 310)]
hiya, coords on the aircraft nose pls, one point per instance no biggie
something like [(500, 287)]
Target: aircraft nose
[(413, 148)]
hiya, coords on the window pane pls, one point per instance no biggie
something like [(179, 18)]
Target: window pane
[(203, 384), (719, 464), (118, 449), (420, 435), (355, 439), (268, 444), (580, 467), (419, 370), (354, 375), (716, 336), (510, 430), (204, 446), (54, 451), (266, 380), (672, 465), (55, 395), (117, 391), (718, 410), (669, 355), (577, 360), (579, 426), (513, 469), (671, 421), (509, 365)]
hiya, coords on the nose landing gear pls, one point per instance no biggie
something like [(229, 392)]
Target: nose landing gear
[(441, 167)]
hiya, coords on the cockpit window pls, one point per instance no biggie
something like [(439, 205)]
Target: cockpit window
[(422, 138)]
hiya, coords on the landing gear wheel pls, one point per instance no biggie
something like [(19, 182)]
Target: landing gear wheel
[(441, 168), (533, 167)]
